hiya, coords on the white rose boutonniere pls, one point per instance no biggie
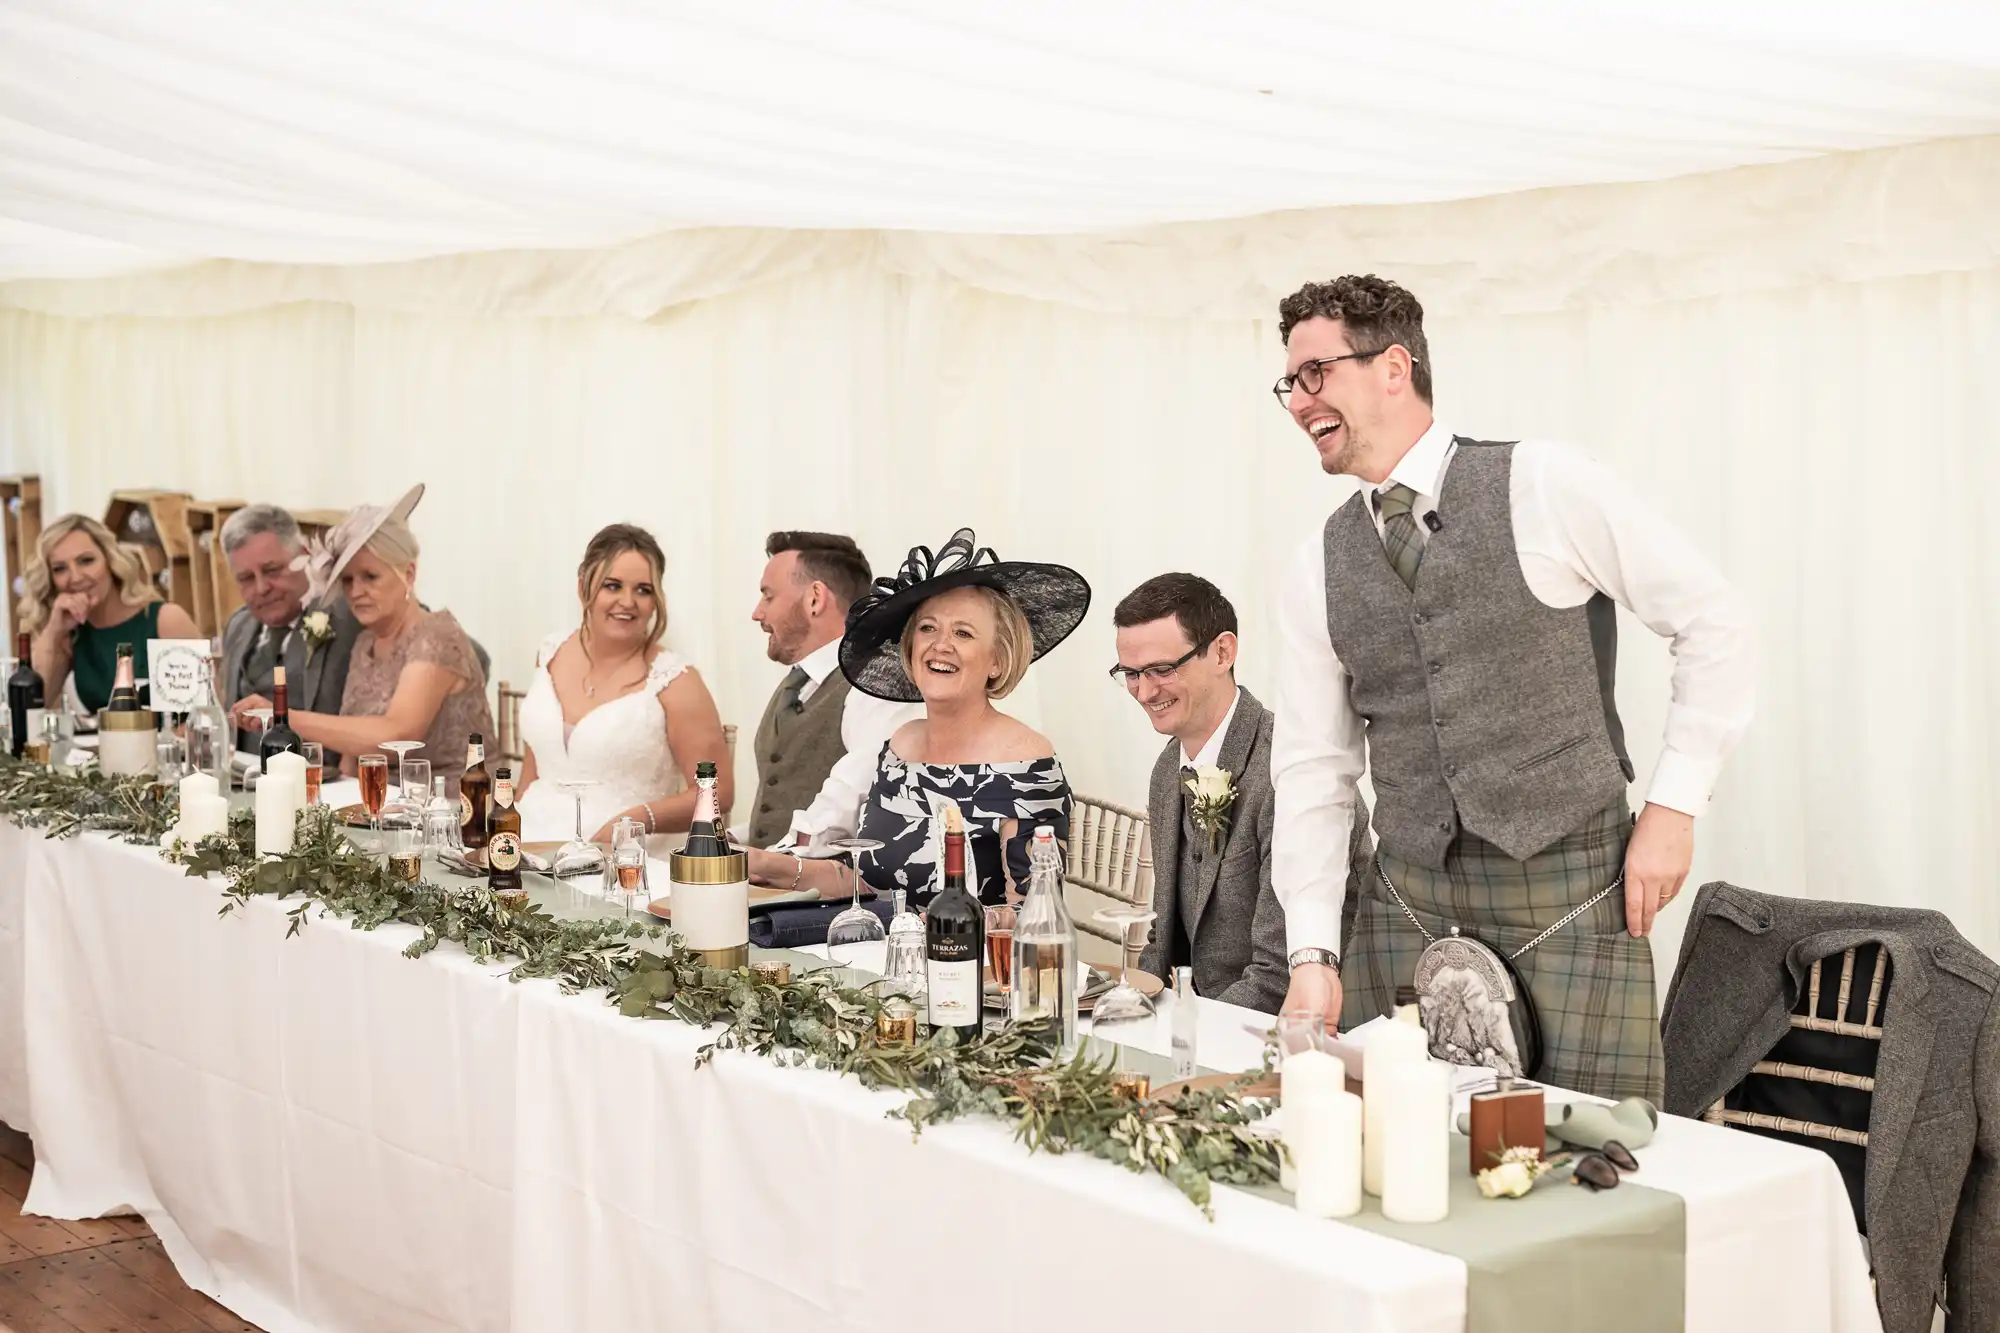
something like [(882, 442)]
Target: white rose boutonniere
[(1214, 792), (318, 628), (1514, 1175)]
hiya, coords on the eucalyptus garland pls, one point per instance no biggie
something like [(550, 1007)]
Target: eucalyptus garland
[(1055, 1106)]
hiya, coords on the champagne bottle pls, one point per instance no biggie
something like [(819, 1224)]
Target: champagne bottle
[(503, 841), (1045, 957), (711, 884), (475, 791), (955, 942), (125, 740), (24, 697), (705, 835), (279, 738)]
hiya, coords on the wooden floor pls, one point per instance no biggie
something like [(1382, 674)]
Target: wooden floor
[(109, 1276)]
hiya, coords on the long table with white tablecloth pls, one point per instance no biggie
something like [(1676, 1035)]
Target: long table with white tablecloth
[(330, 1136)]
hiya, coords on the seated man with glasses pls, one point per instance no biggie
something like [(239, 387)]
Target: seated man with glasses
[(1211, 830)]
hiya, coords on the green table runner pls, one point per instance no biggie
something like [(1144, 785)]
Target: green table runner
[(1563, 1258)]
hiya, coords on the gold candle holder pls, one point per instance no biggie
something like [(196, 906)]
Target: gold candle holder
[(896, 1023), (1133, 1085), (771, 974)]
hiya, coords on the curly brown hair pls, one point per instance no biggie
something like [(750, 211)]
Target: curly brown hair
[(1376, 313)]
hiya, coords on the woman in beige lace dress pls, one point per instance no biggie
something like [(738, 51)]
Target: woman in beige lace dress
[(414, 675)]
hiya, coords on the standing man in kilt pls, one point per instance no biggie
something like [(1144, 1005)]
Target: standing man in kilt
[(1452, 627)]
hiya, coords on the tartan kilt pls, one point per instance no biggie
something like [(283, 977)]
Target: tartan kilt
[(1592, 983)]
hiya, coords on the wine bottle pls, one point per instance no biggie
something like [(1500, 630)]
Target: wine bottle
[(503, 841), (126, 745), (475, 795), (705, 835), (955, 942), (24, 697), (711, 884), (279, 738), (1045, 957)]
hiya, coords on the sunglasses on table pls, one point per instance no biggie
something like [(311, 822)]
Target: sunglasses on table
[(1603, 1168)]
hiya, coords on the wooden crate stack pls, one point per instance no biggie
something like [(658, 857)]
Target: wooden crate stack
[(155, 524), (22, 499), (215, 595)]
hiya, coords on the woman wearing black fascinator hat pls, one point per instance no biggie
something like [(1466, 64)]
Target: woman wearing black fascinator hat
[(957, 630)]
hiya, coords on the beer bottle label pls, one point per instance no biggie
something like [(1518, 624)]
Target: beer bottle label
[(464, 810), (504, 852)]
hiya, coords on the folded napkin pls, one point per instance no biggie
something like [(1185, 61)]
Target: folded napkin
[(1631, 1122)]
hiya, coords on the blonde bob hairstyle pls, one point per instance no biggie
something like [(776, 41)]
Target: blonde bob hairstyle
[(130, 582), (1013, 640), (610, 543)]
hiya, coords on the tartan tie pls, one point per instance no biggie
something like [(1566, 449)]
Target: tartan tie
[(1400, 539)]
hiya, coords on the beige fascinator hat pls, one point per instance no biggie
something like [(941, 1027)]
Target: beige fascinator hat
[(325, 557)]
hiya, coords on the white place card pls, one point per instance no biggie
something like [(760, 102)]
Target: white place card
[(174, 667)]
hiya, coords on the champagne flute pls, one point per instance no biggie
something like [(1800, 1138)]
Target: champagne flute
[(373, 769), (1124, 1001), (627, 875)]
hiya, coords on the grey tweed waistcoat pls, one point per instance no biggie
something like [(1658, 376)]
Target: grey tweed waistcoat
[(796, 749), (1485, 708)]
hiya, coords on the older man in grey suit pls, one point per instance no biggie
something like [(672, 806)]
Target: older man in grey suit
[(1211, 875), (261, 541)]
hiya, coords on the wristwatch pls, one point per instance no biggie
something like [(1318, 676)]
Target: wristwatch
[(1300, 957)]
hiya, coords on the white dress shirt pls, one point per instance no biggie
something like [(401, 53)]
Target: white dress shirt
[(866, 723), (1211, 751), (1577, 532)]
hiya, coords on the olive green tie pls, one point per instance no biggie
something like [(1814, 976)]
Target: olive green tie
[(1401, 541)]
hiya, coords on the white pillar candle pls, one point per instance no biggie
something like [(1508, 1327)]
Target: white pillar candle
[(291, 768), (203, 815), (1323, 1132), (1306, 1073), (277, 807), (193, 783), (1390, 1046), (1416, 1134)]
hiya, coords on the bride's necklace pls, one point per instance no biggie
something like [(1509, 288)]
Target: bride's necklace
[(590, 686)]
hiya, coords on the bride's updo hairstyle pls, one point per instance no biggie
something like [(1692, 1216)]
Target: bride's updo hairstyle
[(608, 545)]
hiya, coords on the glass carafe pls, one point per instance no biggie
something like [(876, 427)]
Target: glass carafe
[(1045, 946)]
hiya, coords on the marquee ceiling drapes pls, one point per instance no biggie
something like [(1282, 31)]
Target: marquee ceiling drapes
[(361, 131)]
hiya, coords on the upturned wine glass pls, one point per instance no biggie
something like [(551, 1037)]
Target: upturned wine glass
[(1124, 1001), (577, 856), (259, 721)]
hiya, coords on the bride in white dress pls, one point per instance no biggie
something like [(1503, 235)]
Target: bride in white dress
[(609, 706)]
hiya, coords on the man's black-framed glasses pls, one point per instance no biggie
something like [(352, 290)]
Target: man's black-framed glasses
[(1159, 672), (1312, 375)]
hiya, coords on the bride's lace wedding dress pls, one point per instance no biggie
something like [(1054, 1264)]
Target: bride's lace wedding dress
[(621, 745)]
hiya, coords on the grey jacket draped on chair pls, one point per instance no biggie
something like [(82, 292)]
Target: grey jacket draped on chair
[(1932, 1165)]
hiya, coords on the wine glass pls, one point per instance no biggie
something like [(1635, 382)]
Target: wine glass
[(578, 857), (627, 876), (315, 756), (258, 720), (852, 936), (413, 791), (1124, 1001), (373, 770)]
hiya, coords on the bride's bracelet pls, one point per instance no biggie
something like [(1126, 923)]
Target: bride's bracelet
[(647, 806)]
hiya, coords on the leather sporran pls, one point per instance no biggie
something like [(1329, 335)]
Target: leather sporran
[(1476, 1009)]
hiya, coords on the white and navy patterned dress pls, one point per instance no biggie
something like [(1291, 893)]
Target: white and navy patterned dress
[(900, 815)]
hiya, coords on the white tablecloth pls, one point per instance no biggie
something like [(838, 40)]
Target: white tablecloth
[(330, 1137)]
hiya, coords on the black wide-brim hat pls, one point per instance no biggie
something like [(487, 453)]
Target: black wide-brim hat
[(1054, 598)]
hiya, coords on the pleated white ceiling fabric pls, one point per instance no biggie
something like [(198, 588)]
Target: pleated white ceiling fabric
[(136, 134)]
